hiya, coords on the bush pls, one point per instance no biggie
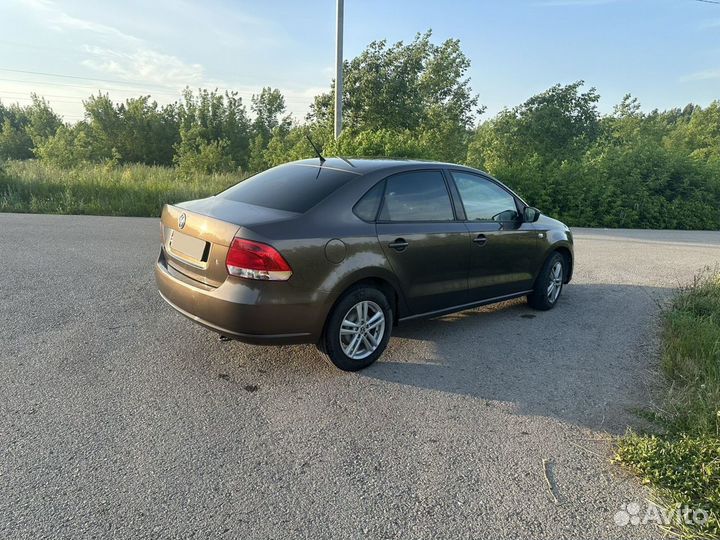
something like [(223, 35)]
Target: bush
[(205, 158)]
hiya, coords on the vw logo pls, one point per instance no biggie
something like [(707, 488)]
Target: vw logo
[(181, 220)]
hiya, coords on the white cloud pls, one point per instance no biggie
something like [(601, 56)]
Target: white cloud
[(704, 75), (146, 65), (121, 55), (114, 55), (58, 20)]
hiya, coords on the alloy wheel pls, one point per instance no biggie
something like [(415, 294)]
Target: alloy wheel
[(556, 279), (362, 329)]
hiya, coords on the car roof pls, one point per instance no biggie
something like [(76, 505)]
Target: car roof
[(367, 165), (363, 166)]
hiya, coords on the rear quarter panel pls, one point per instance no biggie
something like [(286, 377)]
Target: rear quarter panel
[(317, 268), (304, 243)]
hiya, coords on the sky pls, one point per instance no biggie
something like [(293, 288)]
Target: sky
[(664, 52)]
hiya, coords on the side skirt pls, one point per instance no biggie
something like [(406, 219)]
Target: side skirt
[(463, 307)]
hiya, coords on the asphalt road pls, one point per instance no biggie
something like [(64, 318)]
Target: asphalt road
[(121, 419)]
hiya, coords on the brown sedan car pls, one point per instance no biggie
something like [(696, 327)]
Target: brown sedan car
[(337, 252)]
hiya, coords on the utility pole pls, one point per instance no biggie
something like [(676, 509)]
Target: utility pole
[(339, 68)]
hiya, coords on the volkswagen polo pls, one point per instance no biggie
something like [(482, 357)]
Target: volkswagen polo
[(337, 252)]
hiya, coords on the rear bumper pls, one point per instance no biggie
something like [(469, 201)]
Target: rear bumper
[(259, 312)]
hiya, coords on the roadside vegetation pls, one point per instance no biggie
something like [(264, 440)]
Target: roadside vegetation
[(97, 189), (682, 462), (630, 168)]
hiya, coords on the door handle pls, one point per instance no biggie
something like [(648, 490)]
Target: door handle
[(480, 239), (400, 244)]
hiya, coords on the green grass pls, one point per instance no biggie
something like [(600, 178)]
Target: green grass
[(682, 462), (125, 190)]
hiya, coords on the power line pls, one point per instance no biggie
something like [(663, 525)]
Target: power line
[(38, 47), (244, 94), (136, 84), (44, 95), (88, 86), (30, 99), (709, 1), (112, 81)]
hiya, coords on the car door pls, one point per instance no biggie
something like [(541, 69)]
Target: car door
[(504, 250), (427, 247)]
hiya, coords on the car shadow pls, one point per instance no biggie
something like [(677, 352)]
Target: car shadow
[(590, 361)]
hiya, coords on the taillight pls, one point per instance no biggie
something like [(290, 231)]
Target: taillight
[(253, 260)]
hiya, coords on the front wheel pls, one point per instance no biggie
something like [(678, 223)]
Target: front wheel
[(549, 283), (358, 329)]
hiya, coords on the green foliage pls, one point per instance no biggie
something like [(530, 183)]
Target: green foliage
[(627, 169), (556, 125), (69, 147), (268, 106), (698, 132), (683, 470), (212, 124), (206, 157), (43, 122), (405, 92), (291, 145), (691, 357), (124, 190), (380, 142), (683, 463), (15, 143), (624, 170)]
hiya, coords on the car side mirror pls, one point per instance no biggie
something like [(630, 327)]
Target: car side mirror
[(531, 214)]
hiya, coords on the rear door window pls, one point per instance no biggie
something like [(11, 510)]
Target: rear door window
[(416, 196), (292, 187)]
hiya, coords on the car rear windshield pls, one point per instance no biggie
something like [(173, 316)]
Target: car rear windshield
[(291, 187)]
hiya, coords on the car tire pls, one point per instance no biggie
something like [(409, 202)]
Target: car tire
[(357, 329), (549, 283)]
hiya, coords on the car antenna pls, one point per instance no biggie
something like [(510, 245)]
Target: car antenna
[(347, 161), (322, 159)]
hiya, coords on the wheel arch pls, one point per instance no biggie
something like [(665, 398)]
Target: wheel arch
[(567, 254), (563, 248), (383, 281)]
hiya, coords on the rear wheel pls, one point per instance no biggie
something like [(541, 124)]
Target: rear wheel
[(549, 283), (358, 329)]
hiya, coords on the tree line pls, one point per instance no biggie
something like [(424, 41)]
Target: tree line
[(630, 168)]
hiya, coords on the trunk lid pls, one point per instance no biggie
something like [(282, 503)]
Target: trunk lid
[(197, 234)]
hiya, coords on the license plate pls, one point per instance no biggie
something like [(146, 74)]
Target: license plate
[(187, 245)]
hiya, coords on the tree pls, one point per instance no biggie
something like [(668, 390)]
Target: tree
[(403, 86), (15, 143), (68, 147), (148, 132), (268, 107), (211, 123), (558, 124), (410, 99), (699, 134), (43, 122), (105, 123), (291, 144)]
